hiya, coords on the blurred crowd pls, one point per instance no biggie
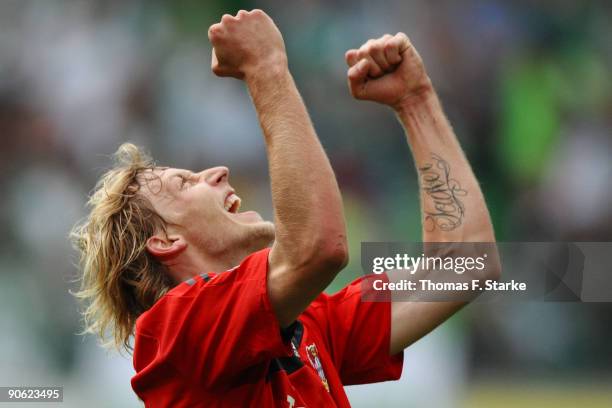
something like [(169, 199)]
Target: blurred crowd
[(526, 85)]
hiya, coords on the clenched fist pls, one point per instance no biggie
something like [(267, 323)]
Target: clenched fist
[(246, 44), (388, 70)]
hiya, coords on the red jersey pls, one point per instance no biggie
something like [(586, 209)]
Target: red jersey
[(214, 341)]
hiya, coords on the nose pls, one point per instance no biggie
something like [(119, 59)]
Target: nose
[(216, 175)]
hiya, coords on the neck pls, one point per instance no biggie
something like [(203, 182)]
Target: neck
[(192, 262)]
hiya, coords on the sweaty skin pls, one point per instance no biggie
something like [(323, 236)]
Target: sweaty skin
[(390, 71)]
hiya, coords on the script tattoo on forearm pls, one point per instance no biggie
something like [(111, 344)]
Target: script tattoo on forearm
[(444, 191)]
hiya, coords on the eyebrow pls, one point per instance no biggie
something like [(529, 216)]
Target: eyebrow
[(159, 176), (175, 175), (166, 180), (182, 174), (162, 171)]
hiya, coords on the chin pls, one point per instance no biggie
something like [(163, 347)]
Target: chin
[(260, 235)]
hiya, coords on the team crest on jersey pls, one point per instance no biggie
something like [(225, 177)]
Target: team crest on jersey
[(313, 357)]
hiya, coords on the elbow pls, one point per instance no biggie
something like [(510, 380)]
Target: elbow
[(492, 265), (493, 271), (484, 246), (334, 255), (330, 255), (337, 257), (323, 249)]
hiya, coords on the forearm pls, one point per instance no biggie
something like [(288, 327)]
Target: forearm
[(309, 217), (452, 204), (390, 71), (310, 243), (453, 210)]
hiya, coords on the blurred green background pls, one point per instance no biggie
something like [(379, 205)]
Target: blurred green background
[(526, 85)]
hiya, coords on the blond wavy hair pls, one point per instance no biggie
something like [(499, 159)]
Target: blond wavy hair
[(120, 279)]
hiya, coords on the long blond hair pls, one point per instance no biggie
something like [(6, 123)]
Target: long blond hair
[(120, 279)]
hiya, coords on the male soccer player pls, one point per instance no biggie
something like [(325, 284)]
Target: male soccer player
[(226, 309)]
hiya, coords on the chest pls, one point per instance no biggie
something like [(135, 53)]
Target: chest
[(308, 378)]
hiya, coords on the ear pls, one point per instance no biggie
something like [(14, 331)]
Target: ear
[(165, 247)]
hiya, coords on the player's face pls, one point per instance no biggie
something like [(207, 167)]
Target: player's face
[(204, 208)]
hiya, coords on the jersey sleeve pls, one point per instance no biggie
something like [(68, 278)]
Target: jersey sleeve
[(217, 328), (357, 325)]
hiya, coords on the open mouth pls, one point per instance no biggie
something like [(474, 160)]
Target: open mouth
[(232, 203)]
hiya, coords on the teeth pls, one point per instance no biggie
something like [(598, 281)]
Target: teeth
[(232, 203)]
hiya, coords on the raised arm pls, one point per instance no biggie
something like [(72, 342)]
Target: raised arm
[(389, 70), (310, 246)]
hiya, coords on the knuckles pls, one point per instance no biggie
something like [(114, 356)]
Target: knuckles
[(217, 70), (234, 40), (228, 21), (242, 15), (384, 45), (380, 56), (377, 46), (214, 32)]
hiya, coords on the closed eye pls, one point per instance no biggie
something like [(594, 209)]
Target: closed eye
[(186, 181), (182, 180)]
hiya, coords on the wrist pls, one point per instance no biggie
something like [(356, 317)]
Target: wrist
[(272, 71), (416, 98)]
